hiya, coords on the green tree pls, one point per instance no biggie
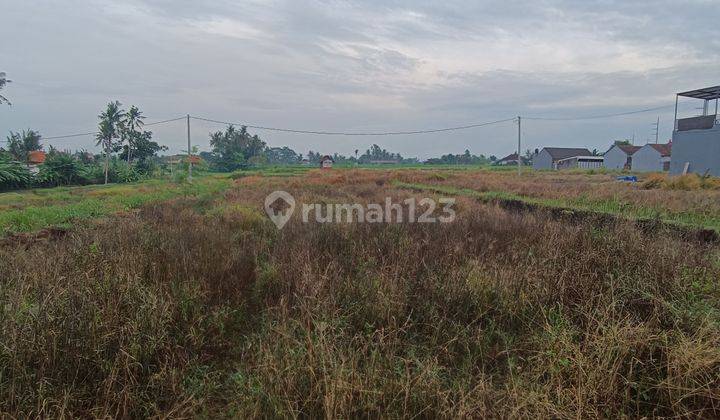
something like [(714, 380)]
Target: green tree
[(282, 155), (232, 149), (377, 153), (313, 157), (21, 144), (61, 168), (13, 174), (131, 133), (110, 130), (3, 81), (143, 147)]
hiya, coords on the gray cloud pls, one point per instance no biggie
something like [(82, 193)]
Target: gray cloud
[(358, 65)]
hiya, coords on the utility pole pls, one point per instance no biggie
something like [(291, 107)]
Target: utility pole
[(657, 130), (519, 159), (189, 150)]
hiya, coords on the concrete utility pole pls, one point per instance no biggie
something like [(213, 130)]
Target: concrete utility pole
[(189, 150), (519, 159)]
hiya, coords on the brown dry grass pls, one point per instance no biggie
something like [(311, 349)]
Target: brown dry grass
[(688, 194), (202, 308)]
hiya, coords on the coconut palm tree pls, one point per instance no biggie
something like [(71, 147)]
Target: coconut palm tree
[(3, 82), (109, 130), (132, 126)]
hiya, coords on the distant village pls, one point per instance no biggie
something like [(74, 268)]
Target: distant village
[(694, 147)]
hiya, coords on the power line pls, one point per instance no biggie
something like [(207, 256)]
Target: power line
[(594, 117), (384, 133), (343, 133), (95, 132)]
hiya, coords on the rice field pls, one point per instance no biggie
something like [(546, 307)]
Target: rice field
[(185, 300)]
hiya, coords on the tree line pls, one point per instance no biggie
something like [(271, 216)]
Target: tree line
[(129, 154)]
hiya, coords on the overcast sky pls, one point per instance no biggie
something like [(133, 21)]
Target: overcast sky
[(377, 65)]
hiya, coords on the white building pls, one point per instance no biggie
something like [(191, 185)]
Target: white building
[(696, 140), (619, 156), (580, 162), (508, 160), (652, 158), (326, 162), (548, 157)]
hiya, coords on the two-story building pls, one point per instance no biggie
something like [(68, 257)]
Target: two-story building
[(696, 140)]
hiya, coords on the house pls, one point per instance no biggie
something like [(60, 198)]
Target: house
[(326, 162), (652, 158), (511, 159), (619, 156), (581, 162), (548, 157), (696, 140), (35, 159)]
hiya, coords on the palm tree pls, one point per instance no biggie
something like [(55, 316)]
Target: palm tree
[(132, 127), (21, 144), (3, 82), (109, 130)]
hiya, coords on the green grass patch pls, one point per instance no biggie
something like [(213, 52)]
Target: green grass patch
[(46, 208)]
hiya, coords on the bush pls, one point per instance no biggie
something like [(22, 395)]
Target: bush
[(120, 171), (654, 181), (61, 169), (687, 182), (13, 175)]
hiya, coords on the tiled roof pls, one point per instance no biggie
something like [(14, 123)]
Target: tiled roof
[(628, 149), (565, 152), (664, 149), (509, 157), (36, 157)]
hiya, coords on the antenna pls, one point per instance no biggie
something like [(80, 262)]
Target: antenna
[(657, 129)]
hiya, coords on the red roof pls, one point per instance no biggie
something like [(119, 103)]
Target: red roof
[(36, 157), (664, 149), (195, 159), (628, 149)]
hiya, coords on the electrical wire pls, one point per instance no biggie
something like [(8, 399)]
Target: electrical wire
[(595, 117), (343, 133), (95, 132), (375, 134)]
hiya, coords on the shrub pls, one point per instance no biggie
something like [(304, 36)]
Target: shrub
[(687, 182), (654, 181), (61, 169), (120, 171), (13, 175)]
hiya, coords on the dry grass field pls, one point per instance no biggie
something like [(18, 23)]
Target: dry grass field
[(194, 304)]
